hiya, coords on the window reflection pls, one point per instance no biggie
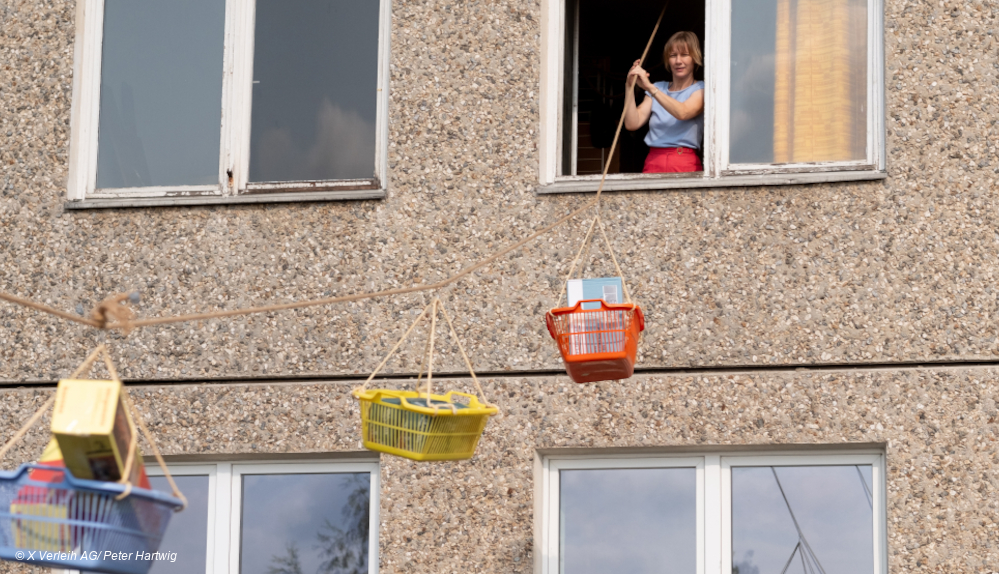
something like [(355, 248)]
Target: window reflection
[(161, 93), (314, 90), (628, 520), (296, 523), (802, 519), (187, 535), (799, 81)]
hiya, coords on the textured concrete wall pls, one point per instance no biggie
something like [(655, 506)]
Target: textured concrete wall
[(899, 270), (938, 426)]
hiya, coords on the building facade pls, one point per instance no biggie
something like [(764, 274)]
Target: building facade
[(821, 297)]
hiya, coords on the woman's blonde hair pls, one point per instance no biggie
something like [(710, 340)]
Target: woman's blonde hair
[(688, 40)]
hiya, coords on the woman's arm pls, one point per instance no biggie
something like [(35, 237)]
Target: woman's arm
[(687, 110), (636, 116)]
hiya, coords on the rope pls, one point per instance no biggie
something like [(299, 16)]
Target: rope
[(572, 268), (88, 363), (430, 358), (46, 309), (111, 308), (468, 363), (27, 426), (137, 416), (610, 248), (395, 348)]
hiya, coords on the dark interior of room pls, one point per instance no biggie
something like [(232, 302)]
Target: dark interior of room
[(612, 35)]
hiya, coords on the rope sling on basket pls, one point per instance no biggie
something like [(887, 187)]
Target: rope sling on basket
[(50, 518), (598, 344), (424, 426)]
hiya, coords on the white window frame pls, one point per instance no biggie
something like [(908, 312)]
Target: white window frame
[(718, 172), (234, 153), (225, 489), (714, 497)]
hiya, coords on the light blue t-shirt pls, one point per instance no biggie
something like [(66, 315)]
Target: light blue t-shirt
[(667, 131)]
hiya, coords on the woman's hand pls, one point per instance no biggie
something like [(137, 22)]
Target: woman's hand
[(636, 116), (638, 75)]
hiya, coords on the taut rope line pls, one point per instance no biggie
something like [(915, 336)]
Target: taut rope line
[(111, 308)]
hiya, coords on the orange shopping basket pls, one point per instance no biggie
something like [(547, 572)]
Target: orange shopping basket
[(597, 344)]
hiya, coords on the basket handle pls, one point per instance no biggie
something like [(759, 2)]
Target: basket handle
[(604, 306)]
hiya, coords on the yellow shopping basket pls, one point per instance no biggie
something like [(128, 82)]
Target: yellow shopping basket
[(420, 425), (401, 423)]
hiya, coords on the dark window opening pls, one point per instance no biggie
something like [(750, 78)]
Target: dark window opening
[(603, 39)]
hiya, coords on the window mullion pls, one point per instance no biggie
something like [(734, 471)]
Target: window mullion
[(91, 96), (230, 123), (879, 492), (718, 41), (227, 520), (876, 84), (241, 92), (717, 545), (384, 82)]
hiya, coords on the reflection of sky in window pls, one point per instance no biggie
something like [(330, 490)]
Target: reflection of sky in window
[(754, 36), (281, 509), (628, 520), (161, 93), (832, 509), (187, 534), (315, 79)]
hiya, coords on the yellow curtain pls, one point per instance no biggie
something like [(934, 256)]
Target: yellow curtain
[(820, 81)]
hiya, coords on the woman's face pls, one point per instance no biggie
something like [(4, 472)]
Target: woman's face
[(681, 63)]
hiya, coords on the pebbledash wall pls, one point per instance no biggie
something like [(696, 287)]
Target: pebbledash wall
[(888, 286)]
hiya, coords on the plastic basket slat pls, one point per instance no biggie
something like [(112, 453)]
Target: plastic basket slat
[(72, 523)]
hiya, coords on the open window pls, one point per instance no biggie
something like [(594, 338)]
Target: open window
[(225, 101), (793, 91), (604, 42)]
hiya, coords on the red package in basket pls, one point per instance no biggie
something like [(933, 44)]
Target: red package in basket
[(598, 344), (41, 502)]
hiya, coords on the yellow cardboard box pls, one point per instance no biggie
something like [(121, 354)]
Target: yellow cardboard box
[(94, 430)]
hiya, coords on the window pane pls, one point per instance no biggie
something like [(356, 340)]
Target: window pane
[(161, 93), (315, 69), (294, 523), (833, 509), (640, 521), (186, 539), (799, 81)]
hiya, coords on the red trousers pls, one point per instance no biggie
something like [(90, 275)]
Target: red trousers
[(672, 160)]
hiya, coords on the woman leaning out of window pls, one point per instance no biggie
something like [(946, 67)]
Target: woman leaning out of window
[(674, 111)]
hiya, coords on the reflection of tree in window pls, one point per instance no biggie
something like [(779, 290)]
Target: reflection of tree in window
[(343, 550)]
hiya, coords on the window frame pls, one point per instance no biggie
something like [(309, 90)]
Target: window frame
[(225, 494), (714, 496), (718, 172), (234, 153)]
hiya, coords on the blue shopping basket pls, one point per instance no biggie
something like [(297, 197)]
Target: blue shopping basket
[(77, 524)]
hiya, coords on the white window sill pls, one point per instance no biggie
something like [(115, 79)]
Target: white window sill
[(287, 197), (643, 182)]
